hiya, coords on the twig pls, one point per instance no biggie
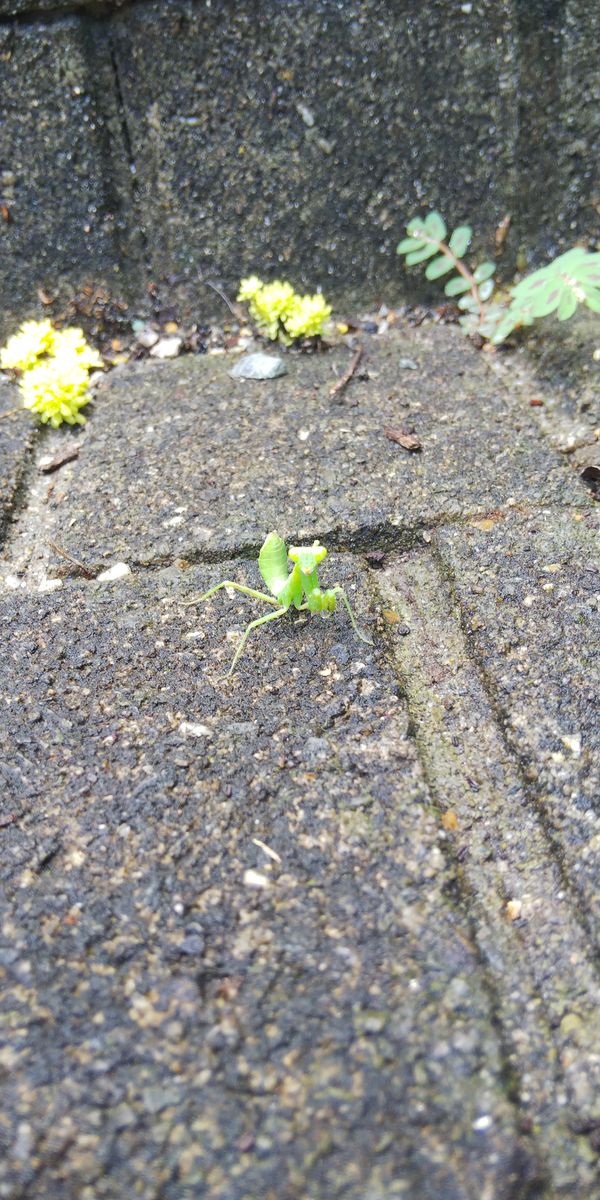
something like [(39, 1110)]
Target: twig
[(10, 412), (233, 308), (341, 383), (70, 558)]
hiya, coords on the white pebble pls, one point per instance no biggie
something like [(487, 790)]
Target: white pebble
[(167, 347), (189, 729), (119, 571), (50, 585), (255, 879)]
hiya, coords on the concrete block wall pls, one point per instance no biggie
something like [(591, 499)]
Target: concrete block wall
[(156, 141)]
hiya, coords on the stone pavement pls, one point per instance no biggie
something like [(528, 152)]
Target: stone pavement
[(329, 928)]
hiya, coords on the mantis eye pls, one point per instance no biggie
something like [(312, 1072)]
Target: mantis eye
[(307, 557)]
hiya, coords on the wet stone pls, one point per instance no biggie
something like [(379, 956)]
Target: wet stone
[(258, 366), (529, 590), (181, 461), (296, 149), (17, 433), (343, 1004), (59, 130)]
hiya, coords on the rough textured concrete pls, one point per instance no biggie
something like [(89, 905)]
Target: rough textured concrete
[(499, 821), (529, 591), (329, 928), (225, 461), (152, 141), (63, 176), (49, 8), (340, 1006), (295, 140), (17, 435)]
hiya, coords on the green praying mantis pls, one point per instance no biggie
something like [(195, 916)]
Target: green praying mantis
[(298, 587)]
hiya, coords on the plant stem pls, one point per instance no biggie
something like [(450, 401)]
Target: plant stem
[(466, 274)]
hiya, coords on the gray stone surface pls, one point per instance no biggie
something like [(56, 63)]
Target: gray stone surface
[(529, 923), (62, 175), (42, 9), (17, 434), (308, 156), (147, 142), (224, 461), (529, 589), (328, 1033), (328, 928)]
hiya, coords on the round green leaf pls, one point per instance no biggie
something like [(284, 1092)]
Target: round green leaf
[(531, 285), (547, 299), (420, 255), (568, 261), (504, 328), (567, 305), (439, 266), (486, 289), (592, 299), (485, 270), (407, 245), (590, 269), (460, 239), (456, 286), (416, 228), (468, 303), (435, 225)]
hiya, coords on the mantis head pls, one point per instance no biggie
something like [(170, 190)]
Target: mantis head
[(307, 557)]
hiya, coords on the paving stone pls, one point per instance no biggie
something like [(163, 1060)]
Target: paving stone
[(528, 586), (528, 919), (288, 159), (232, 960), (45, 8), (180, 461), (62, 180), (17, 433), (282, 145)]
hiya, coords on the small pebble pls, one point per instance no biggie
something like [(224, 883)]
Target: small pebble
[(167, 347), (258, 366), (119, 571), (50, 585), (255, 879), (191, 729), (147, 338)]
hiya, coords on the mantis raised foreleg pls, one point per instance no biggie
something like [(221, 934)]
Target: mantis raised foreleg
[(299, 588)]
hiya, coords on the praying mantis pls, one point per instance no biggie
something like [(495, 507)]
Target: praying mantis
[(298, 587)]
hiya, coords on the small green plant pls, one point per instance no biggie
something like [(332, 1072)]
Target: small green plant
[(53, 367), (571, 279), (299, 587), (280, 313)]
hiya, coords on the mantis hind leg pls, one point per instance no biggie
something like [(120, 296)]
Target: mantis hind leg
[(228, 583), (253, 625), (339, 591)]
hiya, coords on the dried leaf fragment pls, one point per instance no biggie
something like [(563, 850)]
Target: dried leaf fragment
[(407, 440), (484, 525), (390, 617), (53, 463)]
